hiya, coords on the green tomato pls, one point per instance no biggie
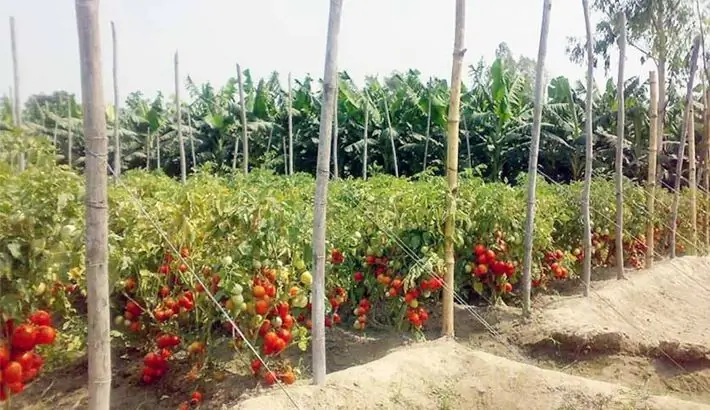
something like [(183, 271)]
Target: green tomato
[(238, 289), (299, 264), (226, 261), (307, 278)]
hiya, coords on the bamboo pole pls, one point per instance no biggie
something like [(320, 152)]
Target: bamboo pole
[(16, 107), (321, 195), (620, 139), (336, 174), (427, 135), (692, 181), (99, 326), (191, 137), (706, 130), (534, 151), (452, 167), (652, 160), (366, 103), (389, 132), (70, 131), (589, 146), (116, 108), (290, 126), (681, 148), (178, 123), (245, 137)]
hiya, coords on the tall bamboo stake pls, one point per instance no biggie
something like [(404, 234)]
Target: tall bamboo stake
[(652, 159), (692, 181), (706, 131), (178, 123), (452, 167), (16, 107), (70, 131), (191, 137), (589, 146), (290, 126), (335, 125), (116, 108), (321, 194), (99, 326), (389, 132), (681, 147), (534, 151), (619, 163), (428, 127), (245, 138), (365, 141)]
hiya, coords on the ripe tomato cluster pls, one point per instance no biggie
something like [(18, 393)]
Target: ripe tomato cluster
[(554, 264), (488, 268), (19, 362), (338, 296), (635, 250), (287, 376)]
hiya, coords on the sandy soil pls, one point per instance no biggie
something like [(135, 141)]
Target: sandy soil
[(642, 343), (444, 374), (661, 312)]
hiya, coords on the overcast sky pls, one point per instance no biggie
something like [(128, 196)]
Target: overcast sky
[(377, 37)]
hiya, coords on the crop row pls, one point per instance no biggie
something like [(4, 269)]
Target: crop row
[(246, 241)]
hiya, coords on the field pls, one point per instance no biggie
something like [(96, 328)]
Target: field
[(244, 241)]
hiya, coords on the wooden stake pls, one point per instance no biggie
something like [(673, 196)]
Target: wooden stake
[(683, 137), (99, 326), (692, 181), (321, 197), (290, 126), (589, 145), (620, 139), (16, 107), (652, 159), (452, 167), (245, 135), (116, 108), (178, 123), (534, 151)]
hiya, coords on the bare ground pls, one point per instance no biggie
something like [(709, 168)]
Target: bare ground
[(642, 343)]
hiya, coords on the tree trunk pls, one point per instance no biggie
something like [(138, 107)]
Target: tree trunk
[(99, 326), (321, 195), (336, 174), (662, 80), (70, 131), (428, 128), (116, 109), (652, 159), (364, 136), (683, 137), (532, 163), (245, 138), (16, 107), (191, 137), (389, 132), (290, 126), (178, 123), (619, 163), (589, 146), (56, 129), (452, 168)]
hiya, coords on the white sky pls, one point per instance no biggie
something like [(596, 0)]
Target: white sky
[(377, 36)]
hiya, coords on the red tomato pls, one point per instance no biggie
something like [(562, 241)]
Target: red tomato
[(285, 335), (24, 337), (270, 378), (261, 307), (12, 373), (26, 360), (16, 388), (4, 355), (196, 398), (288, 377), (46, 335), (41, 318)]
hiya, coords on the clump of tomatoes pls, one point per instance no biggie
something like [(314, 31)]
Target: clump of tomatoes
[(20, 363), (489, 268)]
